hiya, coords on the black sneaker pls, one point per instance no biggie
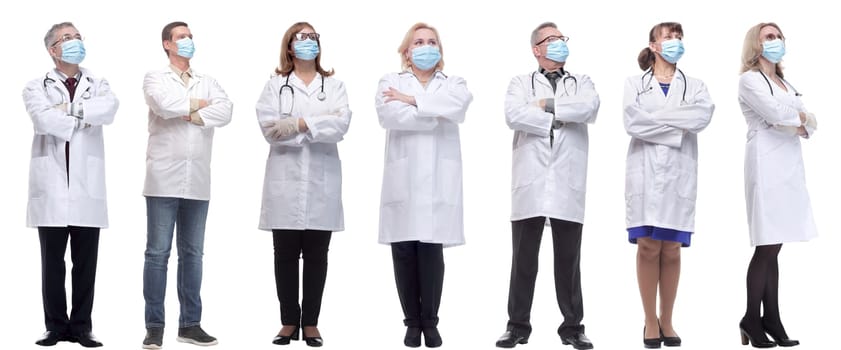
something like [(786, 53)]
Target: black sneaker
[(195, 335), (154, 338)]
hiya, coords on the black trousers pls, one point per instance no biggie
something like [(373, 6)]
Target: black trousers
[(419, 273), (289, 246), (566, 239), (84, 246)]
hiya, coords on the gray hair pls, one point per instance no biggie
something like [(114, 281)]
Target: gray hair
[(50, 37), (536, 31)]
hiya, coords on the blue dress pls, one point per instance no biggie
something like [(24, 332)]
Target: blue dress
[(660, 234)]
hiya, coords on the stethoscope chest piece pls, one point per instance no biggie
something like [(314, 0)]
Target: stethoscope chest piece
[(321, 96)]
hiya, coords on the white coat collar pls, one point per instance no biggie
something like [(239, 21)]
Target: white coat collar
[(435, 82), (84, 79), (315, 84), (194, 79), (677, 87)]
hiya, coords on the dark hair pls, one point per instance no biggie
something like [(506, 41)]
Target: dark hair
[(646, 57), (166, 34)]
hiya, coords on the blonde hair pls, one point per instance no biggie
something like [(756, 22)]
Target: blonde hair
[(406, 62), (752, 49), (287, 65)]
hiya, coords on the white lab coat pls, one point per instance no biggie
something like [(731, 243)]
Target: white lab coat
[(303, 182), (421, 197), (661, 170), (54, 199), (550, 181), (778, 204), (179, 152)]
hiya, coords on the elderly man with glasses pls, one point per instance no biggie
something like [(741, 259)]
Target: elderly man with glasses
[(68, 107), (549, 110)]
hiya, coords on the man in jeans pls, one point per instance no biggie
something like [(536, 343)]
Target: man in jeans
[(184, 108)]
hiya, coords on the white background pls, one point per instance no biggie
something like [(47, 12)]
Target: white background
[(238, 43)]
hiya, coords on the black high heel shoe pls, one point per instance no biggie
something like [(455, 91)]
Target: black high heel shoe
[(413, 337), (650, 343), (313, 341), (669, 341), (760, 341), (778, 333), (285, 339)]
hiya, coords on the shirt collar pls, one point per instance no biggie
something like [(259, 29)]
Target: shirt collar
[(178, 72)]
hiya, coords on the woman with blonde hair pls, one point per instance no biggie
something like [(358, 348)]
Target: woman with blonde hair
[(778, 206), (421, 200), (303, 112), (664, 112)]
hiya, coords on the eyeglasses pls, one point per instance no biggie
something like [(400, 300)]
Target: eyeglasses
[(772, 36), (67, 37), (304, 36), (552, 38)]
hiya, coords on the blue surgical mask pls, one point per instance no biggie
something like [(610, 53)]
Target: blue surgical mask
[(186, 48), (557, 51), (774, 50), (671, 50), (426, 57), (306, 49), (73, 51)]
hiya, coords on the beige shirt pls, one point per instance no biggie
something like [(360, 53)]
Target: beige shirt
[(194, 103)]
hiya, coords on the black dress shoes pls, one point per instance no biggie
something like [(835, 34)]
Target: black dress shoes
[(578, 341), (669, 341), (431, 337), (413, 337), (315, 342), (286, 339), (510, 339), (51, 338), (86, 339)]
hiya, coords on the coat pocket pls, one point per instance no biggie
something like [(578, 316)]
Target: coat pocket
[(687, 178), (395, 181), (96, 177), (449, 178), (577, 170), (44, 177), (525, 167)]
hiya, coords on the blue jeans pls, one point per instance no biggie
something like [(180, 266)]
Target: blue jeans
[(162, 214)]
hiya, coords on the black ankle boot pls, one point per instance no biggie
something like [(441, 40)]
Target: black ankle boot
[(776, 330), (431, 337), (413, 337), (754, 335)]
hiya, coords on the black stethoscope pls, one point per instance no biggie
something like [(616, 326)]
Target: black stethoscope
[(566, 76), (321, 95), (651, 72), (85, 95), (784, 82)]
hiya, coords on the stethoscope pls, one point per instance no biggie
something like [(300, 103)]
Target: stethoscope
[(651, 72), (321, 95), (784, 81), (85, 95), (563, 82)]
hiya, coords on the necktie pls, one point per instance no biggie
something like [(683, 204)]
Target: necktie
[(553, 79), (70, 84)]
